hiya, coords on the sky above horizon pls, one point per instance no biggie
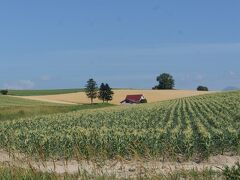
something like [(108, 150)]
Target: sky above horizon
[(61, 44)]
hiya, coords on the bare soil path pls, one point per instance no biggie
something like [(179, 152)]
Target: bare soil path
[(39, 98), (120, 169)]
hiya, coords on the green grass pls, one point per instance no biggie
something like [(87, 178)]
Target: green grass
[(232, 172), (42, 92), (7, 101), (49, 92), (189, 127), (15, 108)]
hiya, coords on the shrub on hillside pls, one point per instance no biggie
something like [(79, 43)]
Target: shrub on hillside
[(202, 88), (143, 101), (4, 92)]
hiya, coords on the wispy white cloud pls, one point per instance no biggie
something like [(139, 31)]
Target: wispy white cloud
[(233, 75), (213, 64), (20, 85), (45, 78)]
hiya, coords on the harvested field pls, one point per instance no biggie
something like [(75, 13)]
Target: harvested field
[(151, 95)]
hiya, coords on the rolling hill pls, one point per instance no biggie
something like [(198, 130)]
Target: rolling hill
[(151, 95)]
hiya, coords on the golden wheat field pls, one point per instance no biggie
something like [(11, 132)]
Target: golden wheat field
[(119, 95)]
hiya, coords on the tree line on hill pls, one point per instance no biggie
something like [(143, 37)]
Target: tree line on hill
[(4, 92), (103, 93), (167, 82)]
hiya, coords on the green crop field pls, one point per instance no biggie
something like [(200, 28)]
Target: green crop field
[(15, 108), (42, 92), (196, 126)]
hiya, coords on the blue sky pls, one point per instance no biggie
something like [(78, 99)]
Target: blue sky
[(127, 43)]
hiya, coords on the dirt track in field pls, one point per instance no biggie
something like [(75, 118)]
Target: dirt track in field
[(151, 95), (119, 168)]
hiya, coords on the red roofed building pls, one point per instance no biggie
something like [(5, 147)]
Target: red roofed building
[(134, 99)]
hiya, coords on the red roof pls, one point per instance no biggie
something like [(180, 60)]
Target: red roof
[(134, 98)]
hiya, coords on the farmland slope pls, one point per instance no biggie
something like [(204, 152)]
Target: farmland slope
[(6, 101), (151, 95), (193, 127)]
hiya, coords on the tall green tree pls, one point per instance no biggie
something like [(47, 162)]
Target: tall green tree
[(91, 89), (102, 92), (105, 93), (109, 93), (166, 81)]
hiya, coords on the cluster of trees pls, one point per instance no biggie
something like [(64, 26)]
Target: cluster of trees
[(202, 88), (103, 93), (166, 81), (4, 92)]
